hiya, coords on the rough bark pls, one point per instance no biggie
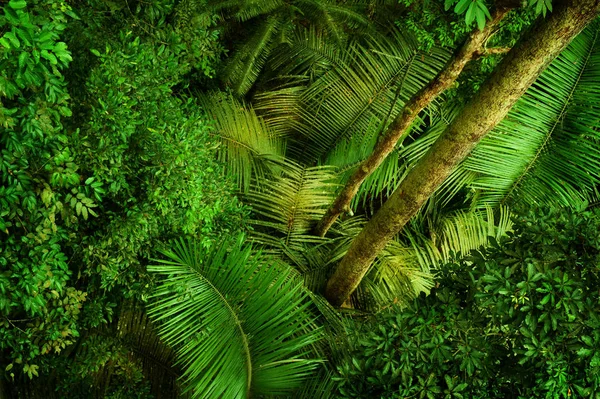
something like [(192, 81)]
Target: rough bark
[(472, 48), (513, 76)]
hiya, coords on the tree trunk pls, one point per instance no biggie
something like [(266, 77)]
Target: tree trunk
[(513, 76), (472, 48)]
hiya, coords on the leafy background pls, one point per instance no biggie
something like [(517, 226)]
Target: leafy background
[(164, 165)]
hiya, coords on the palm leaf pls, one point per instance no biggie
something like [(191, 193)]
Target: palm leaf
[(290, 204), (332, 17), (239, 326), (437, 236), (249, 147), (243, 69), (372, 84), (547, 150), (309, 53)]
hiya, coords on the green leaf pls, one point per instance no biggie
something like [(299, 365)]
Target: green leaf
[(480, 15), (4, 42), (238, 323), (462, 6), (17, 4), (470, 15), (23, 59), (49, 56), (13, 39)]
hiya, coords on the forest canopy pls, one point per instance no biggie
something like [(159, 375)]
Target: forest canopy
[(299, 199)]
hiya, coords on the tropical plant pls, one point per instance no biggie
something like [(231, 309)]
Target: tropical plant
[(266, 25), (516, 319), (239, 325), (545, 150), (252, 150), (90, 186), (472, 123)]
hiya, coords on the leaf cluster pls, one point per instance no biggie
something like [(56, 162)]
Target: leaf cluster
[(516, 319)]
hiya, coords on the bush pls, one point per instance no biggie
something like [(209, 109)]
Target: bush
[(92, 185), (520, 319)]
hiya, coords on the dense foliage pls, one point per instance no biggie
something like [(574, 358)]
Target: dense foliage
[(164, 163), (93, 184), (517, 319)]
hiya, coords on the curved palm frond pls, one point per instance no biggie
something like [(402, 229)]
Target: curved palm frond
[(332, 16), (239, 326), (464, 231), (397, 276), (243, 69), (274, 23), (252, 9), (436, 236), (279, 107), (250, 148), (309, 53), (290, 204), (547, 150)]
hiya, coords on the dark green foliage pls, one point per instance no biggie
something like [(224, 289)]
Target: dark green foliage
[(519, 319), (106, 157), (152, 155), (258, 29)]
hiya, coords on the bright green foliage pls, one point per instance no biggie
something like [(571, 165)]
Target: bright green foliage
[(151, 154), (240, 325), (41, 195), (546, 149), (433, 24), (519, 319), (477, 10), (87, 193), (251, 149)]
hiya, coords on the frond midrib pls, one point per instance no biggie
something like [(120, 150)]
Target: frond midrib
[(238, 323), (300, 185)]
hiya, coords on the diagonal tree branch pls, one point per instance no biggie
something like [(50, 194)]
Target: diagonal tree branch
[(445, 79), (509, 81)]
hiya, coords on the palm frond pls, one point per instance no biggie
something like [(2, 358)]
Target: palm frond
[(332, 17), (243, 10), (369, 81), (397, 276), (547, 150), (239, 326), (279, 107), (463, 231), (309, 53), (244, 67), (459, 231), (290, 204), (250, 148), (252, 9)]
